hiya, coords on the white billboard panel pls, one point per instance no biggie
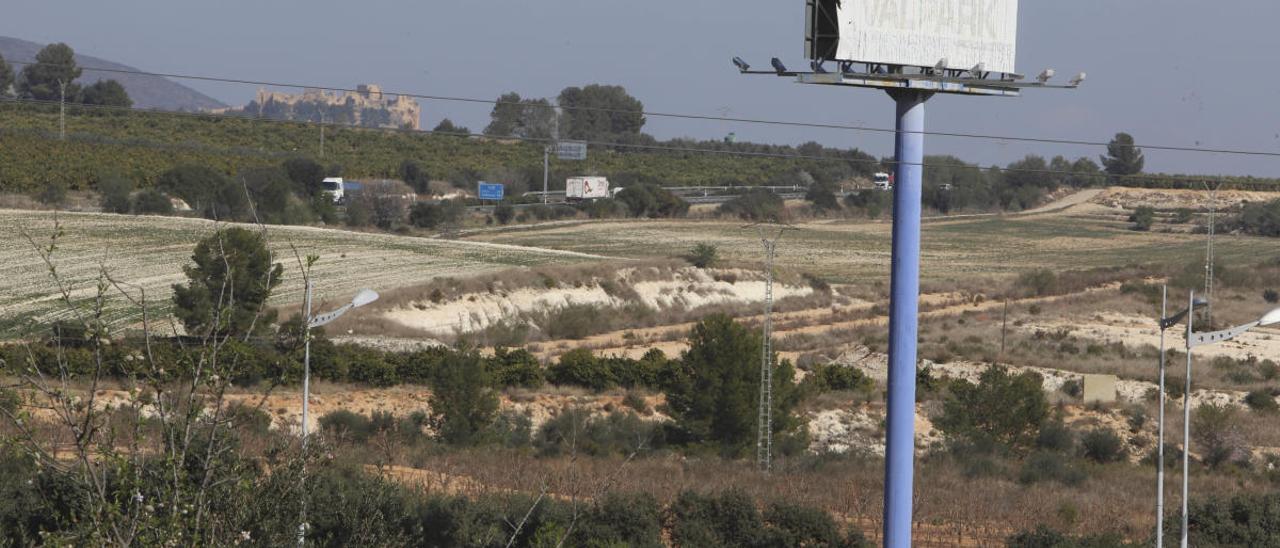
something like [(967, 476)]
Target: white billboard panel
[(915, 32)]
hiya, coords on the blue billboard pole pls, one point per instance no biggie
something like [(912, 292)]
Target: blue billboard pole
[(903, 307)]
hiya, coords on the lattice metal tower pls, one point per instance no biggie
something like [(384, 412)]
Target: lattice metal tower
[(1208, 255), (764, 426)]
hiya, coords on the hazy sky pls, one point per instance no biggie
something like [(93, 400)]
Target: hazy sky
[(1172, 72)]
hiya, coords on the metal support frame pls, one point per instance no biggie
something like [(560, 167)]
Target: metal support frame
[(910, 88), (904, 304), (1208, 255), (764, 424)]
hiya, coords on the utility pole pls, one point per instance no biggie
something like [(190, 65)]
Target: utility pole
[(62, 110), (321, 135), (546, 163), (764, 427)]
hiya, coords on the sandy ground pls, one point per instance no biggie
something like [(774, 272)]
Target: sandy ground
[(1130, 198), (1261, 343), (689, 289)]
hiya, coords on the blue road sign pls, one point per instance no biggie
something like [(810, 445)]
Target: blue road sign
[(491, 191)]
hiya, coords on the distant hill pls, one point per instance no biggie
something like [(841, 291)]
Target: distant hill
[(146, 91)]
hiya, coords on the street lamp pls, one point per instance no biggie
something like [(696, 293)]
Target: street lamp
[(365, 296), (1201, 339), (1166, 321)]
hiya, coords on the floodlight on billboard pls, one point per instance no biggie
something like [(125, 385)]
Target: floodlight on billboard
[(951, 34)]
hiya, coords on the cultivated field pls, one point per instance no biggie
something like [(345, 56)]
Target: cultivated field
[(149, 253), (1080, 237)]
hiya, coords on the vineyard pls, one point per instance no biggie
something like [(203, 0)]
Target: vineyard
[(142, 145)]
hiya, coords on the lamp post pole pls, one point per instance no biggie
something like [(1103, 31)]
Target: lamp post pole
[(903, 309), (1186, 418), (306, 398), (1164, 313)]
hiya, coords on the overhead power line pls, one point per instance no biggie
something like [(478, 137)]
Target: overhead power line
[(814, 125), (608, 144)]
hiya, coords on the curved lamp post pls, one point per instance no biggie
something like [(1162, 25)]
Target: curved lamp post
[(365, 296), (1201, 339), (1166, 321)]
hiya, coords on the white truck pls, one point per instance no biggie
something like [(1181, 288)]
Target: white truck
[(587, 188), (333, 186), (883, 181)]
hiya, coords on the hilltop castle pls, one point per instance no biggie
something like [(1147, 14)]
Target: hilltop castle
[(367, 107)]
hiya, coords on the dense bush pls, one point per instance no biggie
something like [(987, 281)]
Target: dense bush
[(713, 391), (732, 519), (758, 204), (651, 200), (1143, 217), (114, 190), (1217, 435), (1044, 466), (873, 202), (152, 202), (1261, 219), (1262, 400), (1003, 408), (463, 403), (1044, 537), (617, 433), (515, 368), (1243, 520), (1102, 445), (228, 284), (834, 377), (703, 255)]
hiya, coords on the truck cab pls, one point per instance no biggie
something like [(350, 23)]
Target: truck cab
[(883, 181), (333, 186)]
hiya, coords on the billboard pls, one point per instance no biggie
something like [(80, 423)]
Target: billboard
[(491, 191), (914, 32), (571, 150)]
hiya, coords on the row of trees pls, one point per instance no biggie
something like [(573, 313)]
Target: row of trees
[(53, 78)]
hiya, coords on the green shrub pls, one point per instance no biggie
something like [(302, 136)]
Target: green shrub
[(1044, 537), (730, 519), (463, 403), (53, 194), (713, 391), (504, 213), (152, 202), (515, 368), (579, 367), (1055, 435), (635, 400), (651, 200), (617, 433), (1262, 400), (1044, 466), (1003, 408), (1143, 217), (1217, 435), (703, 255), (1243, 520), (834, 377), (757, 204), (574, 321), (1039, 282), (1101, 445), (113, 191)]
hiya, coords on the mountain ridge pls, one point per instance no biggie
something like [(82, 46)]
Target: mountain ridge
[(151, 92)]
